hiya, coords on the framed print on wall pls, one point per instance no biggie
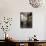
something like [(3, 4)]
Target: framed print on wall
[(26, 19)]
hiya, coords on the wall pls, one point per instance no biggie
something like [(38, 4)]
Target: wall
[(12, 8)]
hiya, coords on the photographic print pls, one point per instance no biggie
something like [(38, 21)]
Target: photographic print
[(26, 19)]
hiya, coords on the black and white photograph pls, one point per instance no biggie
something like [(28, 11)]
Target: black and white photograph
[(26, 19)]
